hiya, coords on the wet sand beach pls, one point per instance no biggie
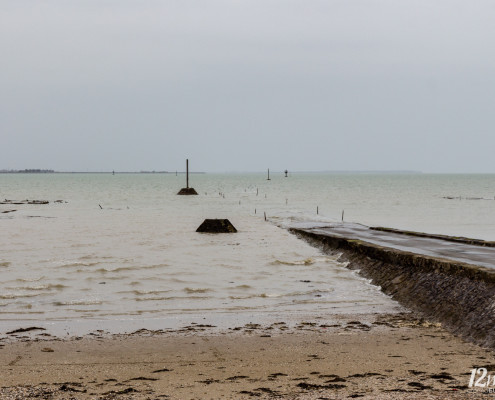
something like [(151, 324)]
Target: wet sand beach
[(383, 356)]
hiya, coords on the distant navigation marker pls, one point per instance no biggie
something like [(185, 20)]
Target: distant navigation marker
[(187, 190), (268, 179)]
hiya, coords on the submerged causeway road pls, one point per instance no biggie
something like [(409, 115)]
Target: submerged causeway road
[(437, 246)]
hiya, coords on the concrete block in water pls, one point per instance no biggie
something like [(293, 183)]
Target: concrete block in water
[(216, 226), (187, 191)]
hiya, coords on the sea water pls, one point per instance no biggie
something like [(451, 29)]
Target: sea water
[(120, 251)]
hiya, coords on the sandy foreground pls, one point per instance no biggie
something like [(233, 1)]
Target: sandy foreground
[(383, 357)]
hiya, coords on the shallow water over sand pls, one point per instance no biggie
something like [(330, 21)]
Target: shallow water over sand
[(123, 248)]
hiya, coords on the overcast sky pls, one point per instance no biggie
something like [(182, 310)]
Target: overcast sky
[(245, 85)]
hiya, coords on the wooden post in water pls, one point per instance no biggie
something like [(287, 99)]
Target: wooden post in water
[(342, 215), (187, 173), (316, 210), (268, 175)]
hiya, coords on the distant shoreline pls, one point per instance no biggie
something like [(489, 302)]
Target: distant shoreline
[(92, 172), (51, 171), (274, 172)]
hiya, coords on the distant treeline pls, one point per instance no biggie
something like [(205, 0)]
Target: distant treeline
[(27, 171)]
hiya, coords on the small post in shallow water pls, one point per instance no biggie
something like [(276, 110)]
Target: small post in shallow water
[(268, 179), (342, 215)]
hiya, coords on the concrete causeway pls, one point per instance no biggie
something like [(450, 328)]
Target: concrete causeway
[(429, 245), (447, 279)]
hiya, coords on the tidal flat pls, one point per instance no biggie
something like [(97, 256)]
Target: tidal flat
[(385, 356)]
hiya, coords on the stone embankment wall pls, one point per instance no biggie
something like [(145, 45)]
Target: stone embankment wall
[(460, 296)]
